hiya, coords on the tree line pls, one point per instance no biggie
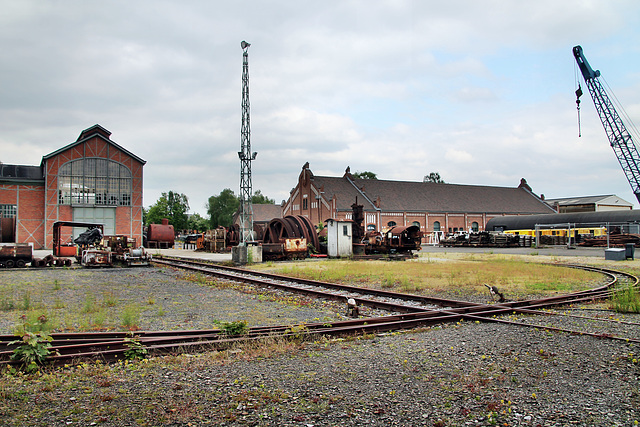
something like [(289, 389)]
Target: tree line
[(220, 209)]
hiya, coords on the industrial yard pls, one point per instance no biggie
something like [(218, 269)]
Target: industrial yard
[(448, 374)]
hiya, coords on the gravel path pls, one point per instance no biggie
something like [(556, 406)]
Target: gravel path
[(475, 374)]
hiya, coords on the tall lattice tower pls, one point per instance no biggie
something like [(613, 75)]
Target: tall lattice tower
[(246, 156)]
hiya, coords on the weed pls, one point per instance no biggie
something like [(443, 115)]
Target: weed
[(625, 300), (56, 285), (90, 305), (234, 328), (135, 349), (109, 299), (34, 345), (131, 316), (26, 301)]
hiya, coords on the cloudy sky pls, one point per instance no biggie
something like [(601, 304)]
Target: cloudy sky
[(480, 91)]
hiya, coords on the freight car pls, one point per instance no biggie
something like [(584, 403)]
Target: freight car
[(15, 255), (568, 228)]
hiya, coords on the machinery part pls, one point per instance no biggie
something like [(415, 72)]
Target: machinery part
[(61, 249), (291, 227), (619, 138)]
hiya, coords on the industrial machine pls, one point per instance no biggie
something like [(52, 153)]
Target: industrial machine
[(62, 245), (619, 138)]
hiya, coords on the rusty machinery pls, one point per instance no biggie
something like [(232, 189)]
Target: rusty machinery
[(289, 237)]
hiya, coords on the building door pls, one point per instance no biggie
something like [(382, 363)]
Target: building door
[(105, 216)]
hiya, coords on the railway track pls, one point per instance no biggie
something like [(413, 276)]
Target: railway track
[(409, 311)]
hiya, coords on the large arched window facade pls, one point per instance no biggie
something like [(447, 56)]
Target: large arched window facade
[(94, 181)]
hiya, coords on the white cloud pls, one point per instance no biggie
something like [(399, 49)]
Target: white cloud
[(480, 92)]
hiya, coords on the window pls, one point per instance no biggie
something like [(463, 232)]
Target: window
[(94, 181), (371, 227), (345, 231), (436, 226), (474, 227), (8, 211), (391, 224), (305, 204)]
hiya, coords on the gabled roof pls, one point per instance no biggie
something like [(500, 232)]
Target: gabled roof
[(262, 212), (411, 196), (266, 212), (21, 173), (94, 131)]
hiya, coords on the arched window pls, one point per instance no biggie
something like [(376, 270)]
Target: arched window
[(436, 226), (416, 223), (474, 227), (94, 181), (371, 227), (391, 224)]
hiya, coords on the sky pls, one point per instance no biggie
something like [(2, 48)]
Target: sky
[(480, 91)]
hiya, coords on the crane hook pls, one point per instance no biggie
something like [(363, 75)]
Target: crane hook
[(578, 95)]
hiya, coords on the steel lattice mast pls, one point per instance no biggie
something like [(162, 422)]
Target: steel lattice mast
[(246, 156), (619, 138)]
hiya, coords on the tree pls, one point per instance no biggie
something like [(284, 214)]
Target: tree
[(260, 199), (365, 175), (433, 177), (198, 223), (221, 208), (171, 205)]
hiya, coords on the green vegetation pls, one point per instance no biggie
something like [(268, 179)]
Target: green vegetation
[(457, 275), (234, 328), (625, 300), (33, 345)]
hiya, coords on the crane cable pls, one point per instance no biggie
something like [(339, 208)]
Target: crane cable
[(630, 125), (578, 95)]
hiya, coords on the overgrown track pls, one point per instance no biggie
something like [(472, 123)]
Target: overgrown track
[(416, 311)]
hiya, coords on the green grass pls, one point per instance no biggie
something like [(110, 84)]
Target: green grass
[(625, 300), (461, 275)]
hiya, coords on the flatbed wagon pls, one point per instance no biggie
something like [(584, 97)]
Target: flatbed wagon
[(15, 254)]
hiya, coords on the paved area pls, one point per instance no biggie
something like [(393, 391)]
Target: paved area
[(548, 250)]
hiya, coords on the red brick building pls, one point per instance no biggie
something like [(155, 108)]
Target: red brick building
[(435, 208), (90, 180)]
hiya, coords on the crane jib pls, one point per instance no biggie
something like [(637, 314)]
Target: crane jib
[(619, 138)]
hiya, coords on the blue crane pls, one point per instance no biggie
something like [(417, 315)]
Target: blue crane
[(619, 138)]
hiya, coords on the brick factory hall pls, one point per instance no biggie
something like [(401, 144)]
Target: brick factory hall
[(90, 180)]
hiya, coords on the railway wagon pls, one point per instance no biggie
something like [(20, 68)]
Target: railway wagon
[(15, 254), (160, 236)]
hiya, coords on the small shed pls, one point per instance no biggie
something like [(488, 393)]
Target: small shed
[(339, 238)]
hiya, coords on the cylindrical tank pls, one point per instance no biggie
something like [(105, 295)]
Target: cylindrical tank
[(161, 232)]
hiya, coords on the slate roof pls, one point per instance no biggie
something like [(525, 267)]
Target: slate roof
[(21, 173), (266, 212), (410, 196)]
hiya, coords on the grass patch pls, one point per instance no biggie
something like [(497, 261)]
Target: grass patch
[(625, 300), (459, 275)]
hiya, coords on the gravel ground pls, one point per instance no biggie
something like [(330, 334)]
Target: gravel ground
[(475, 374)]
